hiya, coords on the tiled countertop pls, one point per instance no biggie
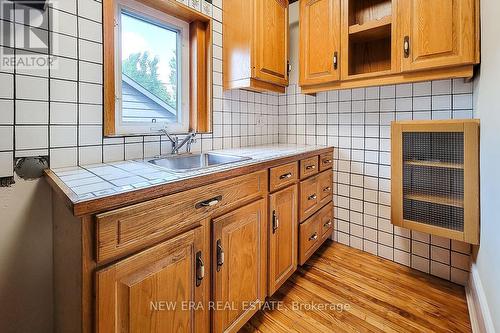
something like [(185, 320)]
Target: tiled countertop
[(97, 181)]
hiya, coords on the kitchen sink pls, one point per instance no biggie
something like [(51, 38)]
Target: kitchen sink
[(191, 162)]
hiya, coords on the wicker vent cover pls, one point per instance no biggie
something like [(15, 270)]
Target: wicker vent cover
[(433, 179)]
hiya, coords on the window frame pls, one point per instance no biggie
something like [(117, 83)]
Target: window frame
[(153, 16), (200, 61)]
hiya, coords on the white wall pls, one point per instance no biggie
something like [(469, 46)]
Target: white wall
[(26, 258), (487, 108)]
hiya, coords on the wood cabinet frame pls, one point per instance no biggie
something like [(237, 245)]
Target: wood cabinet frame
[(456, 48), (200, 63), (244, 59), (331, 57), (461, 67), (282, 259), (471, 204)]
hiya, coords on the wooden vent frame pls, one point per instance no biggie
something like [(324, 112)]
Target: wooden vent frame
[(200, 63), (468, 199)]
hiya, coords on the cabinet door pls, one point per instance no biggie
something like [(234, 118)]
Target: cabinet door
[(271, 41), (437, 33), (152, 291), (282, 236), (319, 42), (239, 267)]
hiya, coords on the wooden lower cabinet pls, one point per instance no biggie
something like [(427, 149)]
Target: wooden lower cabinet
[(283, 230), (199, 260), (161, 289), (314, 231), (239, 266)]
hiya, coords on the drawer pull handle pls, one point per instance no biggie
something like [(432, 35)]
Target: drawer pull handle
[(286, 176), (312, 197), (209, 202), (200, 268), (313, 237), (220, 255), (327, 189), (327, 224), (327, 161), (310, 167), (276, 222)]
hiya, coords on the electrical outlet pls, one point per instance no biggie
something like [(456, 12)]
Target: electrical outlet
[(259, 120)]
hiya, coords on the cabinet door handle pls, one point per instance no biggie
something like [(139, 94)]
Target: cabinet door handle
[(311, 167), (200, 268), (327, 189), (406, 46), (312, 197), (335, 60), (313, 237), (327, 161), (286, 176), (288, 67), (327, 224), (220, 255), (209, 202), (276, 222)]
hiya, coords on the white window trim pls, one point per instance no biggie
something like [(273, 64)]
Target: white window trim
[(163, 19)]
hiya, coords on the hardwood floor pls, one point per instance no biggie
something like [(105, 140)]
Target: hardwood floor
[(367, 293)]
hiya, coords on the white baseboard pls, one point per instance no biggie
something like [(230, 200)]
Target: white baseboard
[(480, 315)]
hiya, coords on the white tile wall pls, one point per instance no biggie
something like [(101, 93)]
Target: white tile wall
[(357, 122), (59, 112)]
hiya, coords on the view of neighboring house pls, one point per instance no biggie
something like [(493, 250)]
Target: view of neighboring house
[(139, 105)]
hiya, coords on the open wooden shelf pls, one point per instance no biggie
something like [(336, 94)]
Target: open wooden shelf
[(436, 164), (371, 30), (369, 56), (369, 37), (436, 199)]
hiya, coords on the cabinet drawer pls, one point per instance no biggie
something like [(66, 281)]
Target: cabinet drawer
[(283, 176), (309, 236), (309, 197), (325, 161), (326, 221), (315, 192), (129, 229), (314, 231), (308, 167), (325, 183)]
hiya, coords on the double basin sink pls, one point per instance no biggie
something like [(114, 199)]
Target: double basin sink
[(192, 162)]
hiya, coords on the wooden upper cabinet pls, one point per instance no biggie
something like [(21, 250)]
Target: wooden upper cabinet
[(147, 292), (271, 46), (382, 42), (239, 266), (437, 33), (283, 231), (319, 42), (255, 45)]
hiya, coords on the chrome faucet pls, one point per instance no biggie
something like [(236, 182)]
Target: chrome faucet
[(176, 145)]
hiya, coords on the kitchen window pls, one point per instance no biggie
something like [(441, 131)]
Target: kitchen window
[(152, 71), (152, 49)]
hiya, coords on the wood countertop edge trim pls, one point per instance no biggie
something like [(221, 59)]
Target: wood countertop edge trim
[(99, 205), (64, 192)]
